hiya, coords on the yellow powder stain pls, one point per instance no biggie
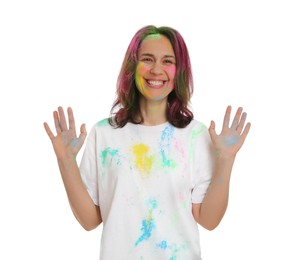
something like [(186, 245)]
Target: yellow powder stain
[(143, 161)]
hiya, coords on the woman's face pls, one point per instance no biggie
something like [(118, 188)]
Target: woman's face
[(156, 68)]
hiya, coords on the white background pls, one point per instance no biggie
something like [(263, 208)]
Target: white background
[(244, 53)]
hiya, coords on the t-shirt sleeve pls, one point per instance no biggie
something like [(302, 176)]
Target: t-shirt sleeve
[(88, 167), (202, 163)]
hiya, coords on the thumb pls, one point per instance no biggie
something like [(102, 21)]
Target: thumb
[(83, 133), (212, 130)]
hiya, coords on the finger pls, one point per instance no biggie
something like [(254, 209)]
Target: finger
[(245, 132), (62, 120), (56, 121), (239, 128), (212, 131), (227, 117), (236, 119), (71, 119), (48, 130), (83, 133)]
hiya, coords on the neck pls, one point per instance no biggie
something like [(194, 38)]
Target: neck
[(153, 112)]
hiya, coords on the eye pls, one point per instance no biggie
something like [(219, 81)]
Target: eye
[(146, 59), (167, 61)]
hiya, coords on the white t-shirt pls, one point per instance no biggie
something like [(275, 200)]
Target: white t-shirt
[(145, 179)]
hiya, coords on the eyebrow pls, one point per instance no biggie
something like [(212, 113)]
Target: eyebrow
[(151, 55)]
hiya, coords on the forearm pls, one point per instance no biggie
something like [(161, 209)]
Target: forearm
[(83, 207), (215, 202)]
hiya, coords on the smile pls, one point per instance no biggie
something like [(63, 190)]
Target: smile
[(156, 83)]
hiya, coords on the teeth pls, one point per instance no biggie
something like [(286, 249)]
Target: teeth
[(155, 83)]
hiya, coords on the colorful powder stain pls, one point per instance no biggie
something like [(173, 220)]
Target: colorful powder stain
[(174, 250), (147, 224), (162, 245), (194, 134), (103, 122), (143, 162), (154, 36), (110, 152), (152, 204), (147, 227), (165, 143)]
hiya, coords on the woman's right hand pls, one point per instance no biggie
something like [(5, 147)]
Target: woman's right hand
[(66, 144)]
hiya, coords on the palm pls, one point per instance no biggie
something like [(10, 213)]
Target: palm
[(231, 139), (66, 143)]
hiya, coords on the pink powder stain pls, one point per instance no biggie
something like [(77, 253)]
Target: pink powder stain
[(178, 147)]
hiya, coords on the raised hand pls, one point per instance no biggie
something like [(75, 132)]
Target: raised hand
[(231, 139), (65, 143)]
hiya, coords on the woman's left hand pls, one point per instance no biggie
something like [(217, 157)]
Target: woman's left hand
[(231, 139)]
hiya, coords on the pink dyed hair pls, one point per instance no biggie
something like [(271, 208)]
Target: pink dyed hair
[(127, 101)]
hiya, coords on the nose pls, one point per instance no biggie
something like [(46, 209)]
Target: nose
[(156, 68)]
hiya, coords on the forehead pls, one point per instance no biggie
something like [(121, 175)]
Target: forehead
[(156, 44)]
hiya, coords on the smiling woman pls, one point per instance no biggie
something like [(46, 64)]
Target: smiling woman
[(150, 172), (156, 68)]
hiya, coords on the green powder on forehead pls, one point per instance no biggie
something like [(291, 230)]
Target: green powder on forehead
[(154, 36)]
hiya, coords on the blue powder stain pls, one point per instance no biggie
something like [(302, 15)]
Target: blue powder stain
[(148, 224), (166, 138), (163, 245), (166, 162), (75, 142), (167, 134), (147, 227)]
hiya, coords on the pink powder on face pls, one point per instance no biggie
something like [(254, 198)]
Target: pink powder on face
[(171, 70)]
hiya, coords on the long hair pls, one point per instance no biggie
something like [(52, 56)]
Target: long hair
[(126, 106)]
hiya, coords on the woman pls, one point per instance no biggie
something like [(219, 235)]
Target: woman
[(150, 172)]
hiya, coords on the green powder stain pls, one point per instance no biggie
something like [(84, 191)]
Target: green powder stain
[(103, 122), (154, 36), (194, 134), (110, 152), (152, 203)]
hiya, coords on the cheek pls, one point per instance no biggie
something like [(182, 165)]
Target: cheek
[(171, 72), (141, 70)]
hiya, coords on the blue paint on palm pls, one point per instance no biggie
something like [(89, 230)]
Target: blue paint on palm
[(232, 140), (74, 142)]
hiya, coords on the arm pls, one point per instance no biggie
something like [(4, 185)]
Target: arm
[(210, 213), (66, 146)]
